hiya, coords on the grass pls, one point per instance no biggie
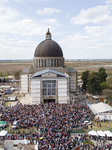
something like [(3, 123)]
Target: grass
[(21, 130)]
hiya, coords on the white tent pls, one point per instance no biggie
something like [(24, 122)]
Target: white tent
[(93, 133), (108, 133), (3, 133), (100, 108), (100, 133)]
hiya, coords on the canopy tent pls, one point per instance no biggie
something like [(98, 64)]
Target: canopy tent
[(101, 133), (100, 108), (93, 133), (7, 91), (2, 123), (3, 133), (108, 133)]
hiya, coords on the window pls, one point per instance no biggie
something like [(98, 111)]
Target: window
[(49, 87), (51, 62), (48, 62), (45, 62), (54, 62)]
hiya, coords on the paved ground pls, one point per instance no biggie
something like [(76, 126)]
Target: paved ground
[(23, 100)]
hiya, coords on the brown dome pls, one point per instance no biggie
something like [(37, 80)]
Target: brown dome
[(48, 48)]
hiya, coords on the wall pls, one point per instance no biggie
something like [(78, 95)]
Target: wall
[(24, 83), (73, 82), (63, 95), (103, 116), (35, 90)]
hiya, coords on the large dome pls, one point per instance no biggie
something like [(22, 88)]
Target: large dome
[(48, 48)]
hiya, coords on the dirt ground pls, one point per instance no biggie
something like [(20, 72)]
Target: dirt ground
[(80, 66)]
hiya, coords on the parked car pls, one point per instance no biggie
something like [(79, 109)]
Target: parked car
[(14, 126)]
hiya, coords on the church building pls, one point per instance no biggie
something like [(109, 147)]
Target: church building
[(49, 80)]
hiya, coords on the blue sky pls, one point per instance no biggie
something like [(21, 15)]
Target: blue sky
[(83, 28)]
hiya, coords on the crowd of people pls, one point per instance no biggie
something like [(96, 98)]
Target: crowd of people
[(53, 123)]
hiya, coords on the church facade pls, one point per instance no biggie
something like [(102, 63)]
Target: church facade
[(49, 80)]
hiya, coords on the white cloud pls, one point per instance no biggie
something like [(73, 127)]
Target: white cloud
[(50, 20), (18, 1), (97, 30), (48, 11), (67, 16), (76, 41), (3, 1), (98, 14), (108, 1)]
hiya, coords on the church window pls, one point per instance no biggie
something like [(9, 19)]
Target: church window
[(51, 62), (54, 62), (45, 62), (48, 62), (49, 87)]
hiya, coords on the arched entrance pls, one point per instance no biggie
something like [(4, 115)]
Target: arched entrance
[(49, 100)]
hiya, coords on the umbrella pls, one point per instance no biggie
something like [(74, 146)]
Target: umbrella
[(93, 133), (41, 138), (108, 133), (100, 133)]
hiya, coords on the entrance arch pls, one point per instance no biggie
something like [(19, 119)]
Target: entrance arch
[(49, 100)]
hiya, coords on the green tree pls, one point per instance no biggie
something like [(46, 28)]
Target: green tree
[(104, 85), (109, 80), (4, 80), (102, 75), (84, 77), (17, 75), (5, 75), (0, 74), (93, 83), (108, 94)]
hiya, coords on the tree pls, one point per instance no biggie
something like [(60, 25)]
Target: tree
[(84, 78), (109, 80), (5, 75), (102, 75), (0, 74), (17, 75), (108, 94), (4, 80), (104, 85), (93, 83)]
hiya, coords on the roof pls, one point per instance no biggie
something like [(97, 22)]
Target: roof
[(48, 48), (100, 108), (46, 71), (71, 69), (25, 70)]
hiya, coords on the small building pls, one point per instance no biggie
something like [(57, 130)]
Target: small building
[(101, 110), (49, 80)]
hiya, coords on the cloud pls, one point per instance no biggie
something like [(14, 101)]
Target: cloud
[(3, 1), (108, 1), (98, 14), (97, 30), (50, 21), (67, 16), (48, 11), (75, 41)]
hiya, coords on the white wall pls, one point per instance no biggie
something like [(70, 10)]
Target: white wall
[(103, 116), (63, 95), (35, 90), (24, 83)]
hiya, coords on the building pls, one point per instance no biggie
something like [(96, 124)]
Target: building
[(101, 110), (49, 80)]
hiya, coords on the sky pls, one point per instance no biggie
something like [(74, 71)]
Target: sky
[(83, 28)]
